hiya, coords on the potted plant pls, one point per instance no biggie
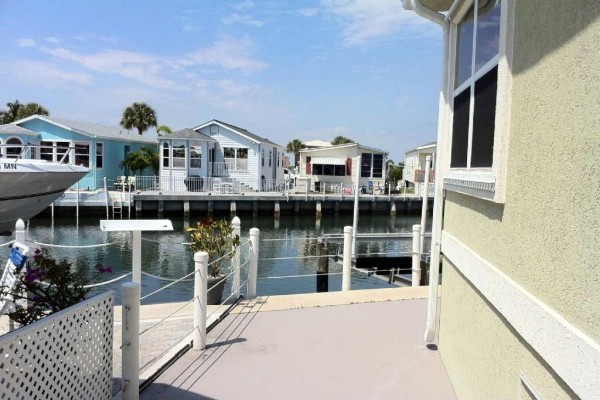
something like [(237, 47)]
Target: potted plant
[(215, 237), (44, 286)]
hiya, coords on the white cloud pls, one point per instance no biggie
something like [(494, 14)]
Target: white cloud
[(44, 74), (243, 19), (26, 42), (228, 53), (52, 39), (137, 67), (365, 20), (244, 5), (308, 12)]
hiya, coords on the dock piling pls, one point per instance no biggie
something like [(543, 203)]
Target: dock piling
[(130, 339), (161, 208), (347, 260), (235, 261), (416, 255), (233, 208), (277, 210), (253, 264), (319, 209), (186, 209), (200, 295), (323, 267)]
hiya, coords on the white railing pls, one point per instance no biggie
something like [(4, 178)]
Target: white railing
[(67, 355), (214, 185), (237, 164)]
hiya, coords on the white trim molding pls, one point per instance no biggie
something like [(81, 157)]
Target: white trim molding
[(481, 185), (573, 355)]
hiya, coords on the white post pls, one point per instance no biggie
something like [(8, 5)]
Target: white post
[(235, 262), (347, 260), (341, 190), (106, 197), (20, 231), (425, 204), (200, 294), (389, 191), (136, 261), (77, 207), (130, 340), (416, 256), (253, 264), (356, 205), (129, 203)]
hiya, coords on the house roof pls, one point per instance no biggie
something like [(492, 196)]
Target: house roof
[(436, 5), (241, 131), (187, 133), (342, 146), (317, 143), (16, 130), (423, 147), (94, 130)]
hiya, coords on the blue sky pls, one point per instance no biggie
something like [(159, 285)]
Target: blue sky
[(365, 69)]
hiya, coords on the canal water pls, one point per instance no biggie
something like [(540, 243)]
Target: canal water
[(285, 249)]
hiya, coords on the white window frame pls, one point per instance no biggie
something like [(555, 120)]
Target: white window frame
[(485, 183), (179, 143), (197, 147), (89, 154), (99, 145), (5, 149)]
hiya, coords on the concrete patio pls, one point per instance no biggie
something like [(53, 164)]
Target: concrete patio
[(372, 350)]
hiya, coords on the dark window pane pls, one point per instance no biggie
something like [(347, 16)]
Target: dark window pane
[(488, 32), (340, 170), (377, 165), (365, 169), (484, 119), (228, 152), (99, 155), (242, 153), (464, 49), (328, 170), (317, 169), (460, 130), (46, 150)]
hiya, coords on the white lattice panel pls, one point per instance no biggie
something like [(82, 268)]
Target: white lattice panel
[(67, 355)]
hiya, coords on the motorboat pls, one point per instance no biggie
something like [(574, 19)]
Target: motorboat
[(28, 186)]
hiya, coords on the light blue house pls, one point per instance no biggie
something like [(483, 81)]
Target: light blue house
[(219, 150), (98, 147)]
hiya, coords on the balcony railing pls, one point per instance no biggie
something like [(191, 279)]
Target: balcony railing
[(420, 176)]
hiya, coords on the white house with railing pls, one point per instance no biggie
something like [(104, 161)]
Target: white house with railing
[(414, 164), (334, 168), (217, 152)]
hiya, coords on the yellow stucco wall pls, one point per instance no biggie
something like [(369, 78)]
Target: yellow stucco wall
[(482, 354), (546, 236)]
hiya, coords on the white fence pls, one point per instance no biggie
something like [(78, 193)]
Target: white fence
[(215, 185), (67, 355)]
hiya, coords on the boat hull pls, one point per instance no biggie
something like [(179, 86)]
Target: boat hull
[(27, 187)]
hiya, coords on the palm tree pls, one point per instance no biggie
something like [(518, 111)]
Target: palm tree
[(295, 146), (30, 109), (11, 114), (140, 116), (341, 140), (145, 157), (164, 128)]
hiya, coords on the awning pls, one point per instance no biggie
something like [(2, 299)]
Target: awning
[(328, 160)]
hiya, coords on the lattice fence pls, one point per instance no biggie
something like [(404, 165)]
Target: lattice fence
[(67, 355)]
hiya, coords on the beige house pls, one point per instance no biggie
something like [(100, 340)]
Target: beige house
[(337, 167), (415, 164), (519, 185)]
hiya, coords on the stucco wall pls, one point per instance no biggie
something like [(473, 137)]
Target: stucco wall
[(545, 236), (482, 354)]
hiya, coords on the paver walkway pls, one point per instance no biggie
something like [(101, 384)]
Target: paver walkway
[(358, 351)]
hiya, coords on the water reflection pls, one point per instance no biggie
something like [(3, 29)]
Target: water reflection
[(283, 247)]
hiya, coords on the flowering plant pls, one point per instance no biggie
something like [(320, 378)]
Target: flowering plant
[(217, 239), (44, 286)]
